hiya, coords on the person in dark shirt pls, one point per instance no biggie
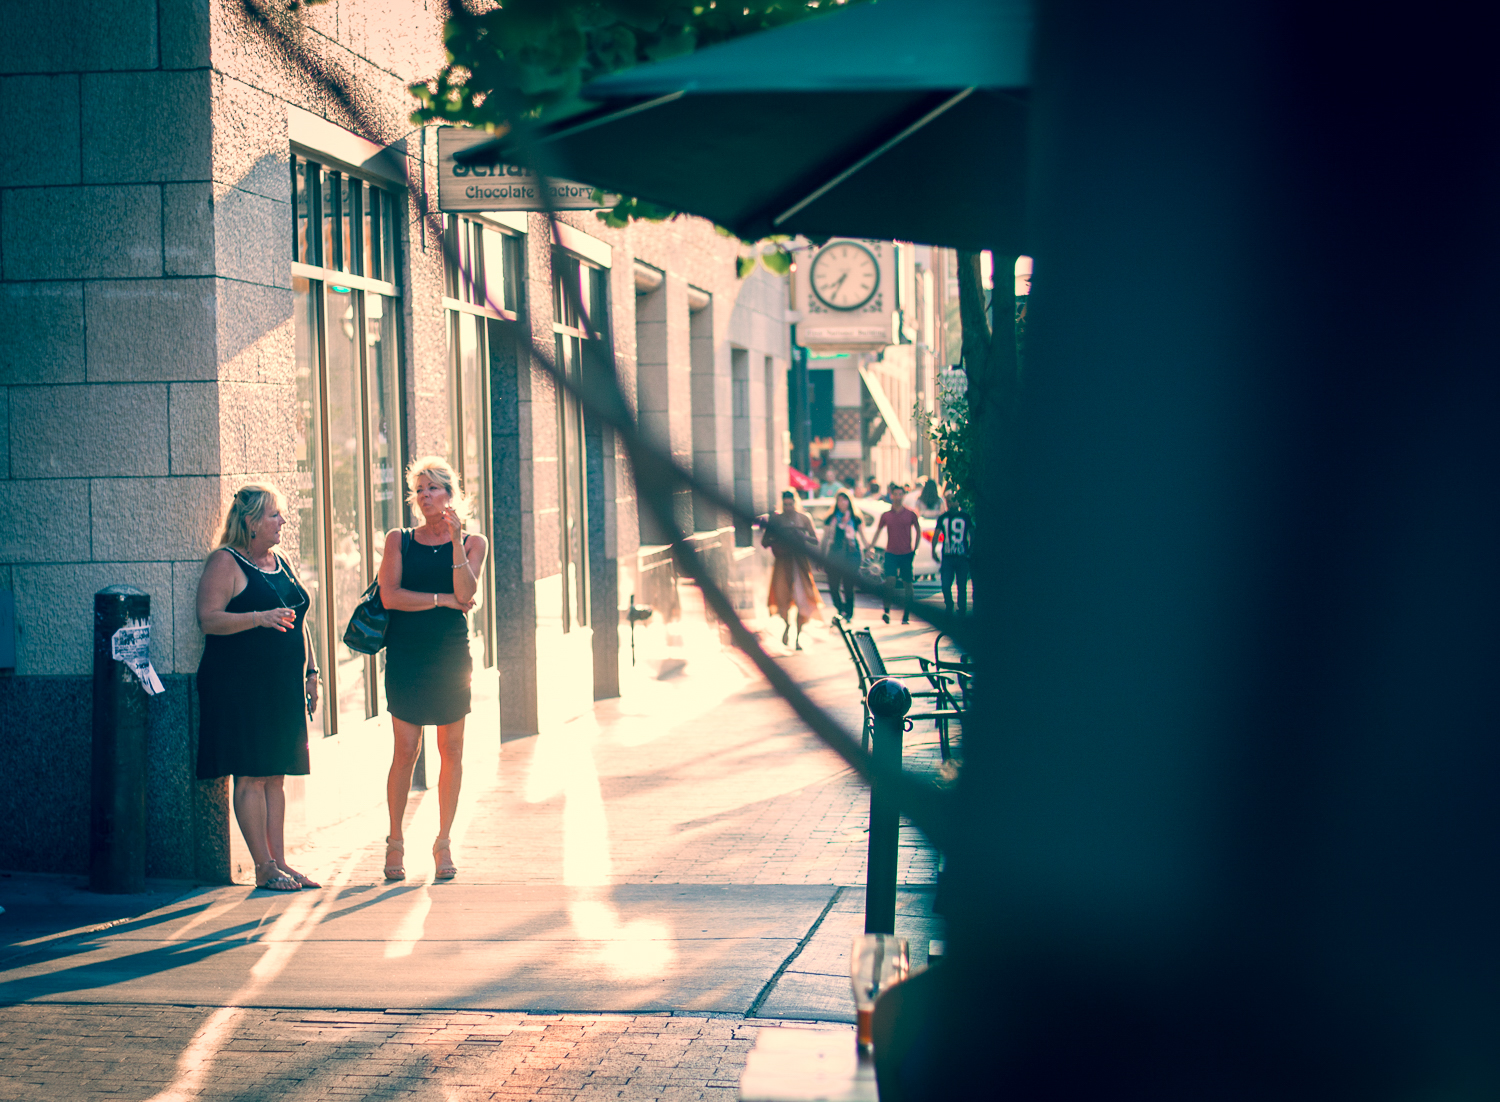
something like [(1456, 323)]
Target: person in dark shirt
[(842, 542), (952, 543), (902, 531)]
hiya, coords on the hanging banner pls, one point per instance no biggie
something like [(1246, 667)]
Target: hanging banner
[(478, 188), (801, 481)]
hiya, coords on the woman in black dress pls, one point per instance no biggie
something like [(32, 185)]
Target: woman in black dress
[(429, 576), (257, 680)]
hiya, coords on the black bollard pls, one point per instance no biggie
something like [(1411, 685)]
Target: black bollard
[(888, 701), (117, 834)]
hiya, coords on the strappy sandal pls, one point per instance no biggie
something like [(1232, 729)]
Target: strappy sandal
[(445, 870), (396, 871), (281, 882), (301, 879)]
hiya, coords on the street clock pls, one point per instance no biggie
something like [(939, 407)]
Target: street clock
[(845, 275)]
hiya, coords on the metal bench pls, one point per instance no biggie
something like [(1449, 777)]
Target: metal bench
[(946, 688)]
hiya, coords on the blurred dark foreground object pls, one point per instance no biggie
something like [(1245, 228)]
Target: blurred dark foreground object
[(908, 1031), (1229, 824)]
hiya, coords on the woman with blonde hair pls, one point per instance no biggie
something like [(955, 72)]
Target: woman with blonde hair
[(258, 680), (429, 578)]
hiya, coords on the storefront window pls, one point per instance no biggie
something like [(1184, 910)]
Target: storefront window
[(482, 280), (306, 504), (349, 449), (578, 307)]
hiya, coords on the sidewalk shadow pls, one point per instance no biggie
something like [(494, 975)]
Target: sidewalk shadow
[(158, 959)]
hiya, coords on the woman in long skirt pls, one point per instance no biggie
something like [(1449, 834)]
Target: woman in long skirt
[(789, 534)]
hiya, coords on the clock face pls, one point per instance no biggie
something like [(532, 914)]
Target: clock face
[(844, 275)]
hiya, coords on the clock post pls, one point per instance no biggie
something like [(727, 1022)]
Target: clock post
[(799, 411)]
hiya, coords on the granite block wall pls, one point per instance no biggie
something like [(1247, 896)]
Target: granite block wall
[(147, 359)]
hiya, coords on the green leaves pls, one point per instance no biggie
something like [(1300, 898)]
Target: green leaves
[(770, 252), (777, 260), (529, 58), (954, 440), (632, 210)]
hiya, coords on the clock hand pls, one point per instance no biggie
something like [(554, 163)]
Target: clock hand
[(835, 288)]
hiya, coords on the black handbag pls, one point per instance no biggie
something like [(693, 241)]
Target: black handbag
[(367, 626)]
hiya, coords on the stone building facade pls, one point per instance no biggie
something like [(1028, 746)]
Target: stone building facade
[(221, 261)]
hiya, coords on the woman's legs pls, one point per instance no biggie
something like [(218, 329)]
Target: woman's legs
[(255, 809), (276, 819), (450, 740), (408, 743), (845, 595), (250, 813), (276, 830)]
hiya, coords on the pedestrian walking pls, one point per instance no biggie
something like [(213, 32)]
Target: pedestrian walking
[(429, 579), (872, 487), (789, 534), (953, 543), (842, 544), (927, 503), (257, 680), (902, 531)]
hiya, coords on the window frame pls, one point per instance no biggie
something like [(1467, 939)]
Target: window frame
[(466, 278), (570, 421), (323, 276)]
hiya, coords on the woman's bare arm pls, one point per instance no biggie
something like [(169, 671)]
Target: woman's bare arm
[(466, 578), (217, 587), (408, 600)]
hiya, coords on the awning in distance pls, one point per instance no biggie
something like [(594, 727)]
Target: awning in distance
[(888, 411)]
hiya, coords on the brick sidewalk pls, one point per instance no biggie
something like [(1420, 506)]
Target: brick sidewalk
[(703, 779), (83, 1052)]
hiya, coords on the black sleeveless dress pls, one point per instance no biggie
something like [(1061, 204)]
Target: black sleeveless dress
[(252, 712), (427, 663)]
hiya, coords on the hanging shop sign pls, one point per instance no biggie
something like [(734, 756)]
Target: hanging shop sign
[(477, 188)]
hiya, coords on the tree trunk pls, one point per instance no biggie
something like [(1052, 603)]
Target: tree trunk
[(989, 360)]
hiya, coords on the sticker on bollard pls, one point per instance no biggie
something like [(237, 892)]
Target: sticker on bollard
[(131, 644)]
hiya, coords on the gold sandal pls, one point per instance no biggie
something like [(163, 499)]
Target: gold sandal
[(279, 882), (446, 870), (395, 870)]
